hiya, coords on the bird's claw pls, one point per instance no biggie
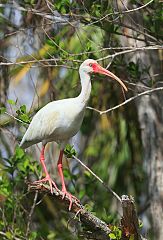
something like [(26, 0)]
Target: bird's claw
[(51, 183), (64, 191), (70, 197)]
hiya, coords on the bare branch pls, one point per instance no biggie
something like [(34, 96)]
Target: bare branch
[(31, 213), (56, 18), (99, 179), (58, 61), (39, 61), (127, 101), (123, 12), (156, 47)]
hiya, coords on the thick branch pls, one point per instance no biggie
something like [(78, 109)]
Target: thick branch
[(99, 228)]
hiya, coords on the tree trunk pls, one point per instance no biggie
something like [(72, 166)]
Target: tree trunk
[(150, 114), (151, 119)]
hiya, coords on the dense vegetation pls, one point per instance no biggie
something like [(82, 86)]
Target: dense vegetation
[(43, 44)]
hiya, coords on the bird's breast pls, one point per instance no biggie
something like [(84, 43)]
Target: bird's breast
[(67, 124)]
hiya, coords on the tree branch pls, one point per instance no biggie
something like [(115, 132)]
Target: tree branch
[(122, 12), (97, 228), (31, 213), (93, 223), (99, 179), (156, 47), (127, 101)]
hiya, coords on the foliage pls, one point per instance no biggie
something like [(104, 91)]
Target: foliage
[(69, 151), (116, 233), (22, 114), (110, 144), (14, 197)]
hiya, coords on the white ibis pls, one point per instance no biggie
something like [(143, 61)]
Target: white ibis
[(60, 120)]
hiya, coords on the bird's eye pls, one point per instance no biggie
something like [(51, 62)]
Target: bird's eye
[(90, 64)]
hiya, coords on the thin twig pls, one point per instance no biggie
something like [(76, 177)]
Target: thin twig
[(131, 50), (13, 237), (127, 101), (31, 213), (98, 178), (123, 12), (17, 119), (38, 61), (128, 50), (57, 19)]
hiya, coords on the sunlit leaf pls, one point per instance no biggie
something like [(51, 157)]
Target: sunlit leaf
[(44, 50), (10, 101), (19, 153), (112, 236), (23, 71), (25, 118), (9, 235), (44, 88)]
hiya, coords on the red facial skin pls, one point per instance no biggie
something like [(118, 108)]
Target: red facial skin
[(95, 67), (98, 69)]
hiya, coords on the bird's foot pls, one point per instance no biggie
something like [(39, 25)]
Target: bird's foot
[(70, 197), (51, 183)]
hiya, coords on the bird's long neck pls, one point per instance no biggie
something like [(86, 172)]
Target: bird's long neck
[(86, 87)]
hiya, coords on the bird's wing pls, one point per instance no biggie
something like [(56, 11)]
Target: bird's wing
[(42, 125)]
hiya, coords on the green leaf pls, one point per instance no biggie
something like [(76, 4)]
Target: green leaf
[(131, 237), (50, 42), (140, 223), (51, 235), (2, 110), (17, 231), (82, 193), (23, 108), (22, 114), (112, 236), (118, 233), (19, 153), (2, 224), (9, 235), (88, 46), (87, 173), (25, 118), (69, 151), (10, 101), (89, 206), (33, 236), (66, 174), (18, 111)]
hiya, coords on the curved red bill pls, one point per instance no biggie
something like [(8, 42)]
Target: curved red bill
[(104, 71)]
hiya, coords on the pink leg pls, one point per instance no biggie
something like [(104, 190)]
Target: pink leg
[(47, 178), (64, 190)]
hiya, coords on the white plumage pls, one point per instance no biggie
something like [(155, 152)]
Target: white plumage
[(57, 121), (60, 120)]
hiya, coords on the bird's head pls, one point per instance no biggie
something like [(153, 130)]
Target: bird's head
[(91, 66)]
